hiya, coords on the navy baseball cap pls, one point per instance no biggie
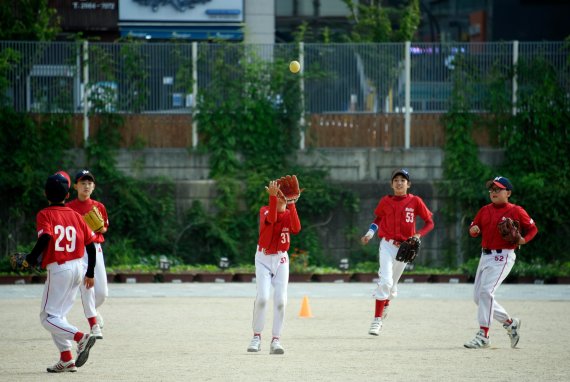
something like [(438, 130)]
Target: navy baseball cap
[(403, 172), (56, 188), (501, 182), (84, 175)]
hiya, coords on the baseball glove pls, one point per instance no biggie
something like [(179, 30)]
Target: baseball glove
[(289, 186), (18, 261), (509, 230), (94, 219), (408, 250)]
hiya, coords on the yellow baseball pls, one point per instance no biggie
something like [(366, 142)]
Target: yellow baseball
[(294, 66)]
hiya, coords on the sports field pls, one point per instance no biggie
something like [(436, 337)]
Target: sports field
[(200, 332)]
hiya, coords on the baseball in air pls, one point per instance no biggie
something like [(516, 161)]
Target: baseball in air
[(294, 66)]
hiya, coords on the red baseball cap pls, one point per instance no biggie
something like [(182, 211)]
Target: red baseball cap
[(66, 176)]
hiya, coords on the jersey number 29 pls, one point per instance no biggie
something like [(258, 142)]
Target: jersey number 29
[(67, 233)]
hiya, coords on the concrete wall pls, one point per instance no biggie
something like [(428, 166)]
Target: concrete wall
[(364, 171), (260, 22)]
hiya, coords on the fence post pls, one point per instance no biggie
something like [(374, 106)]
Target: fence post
[(407, 69), (515, 83), (194, 93), (302, 91), (85, 94)]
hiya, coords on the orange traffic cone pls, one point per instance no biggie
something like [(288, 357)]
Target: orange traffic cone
[(305, 309)]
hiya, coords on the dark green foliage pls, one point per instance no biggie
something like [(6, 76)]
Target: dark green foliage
[(29, 153), (141, 212), (28, 20)]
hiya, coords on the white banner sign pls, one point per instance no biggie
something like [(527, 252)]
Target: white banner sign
[(181, 10)]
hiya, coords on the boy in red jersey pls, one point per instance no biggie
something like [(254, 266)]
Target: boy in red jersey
[(92, 299), (63, 237), (497, 260), (395, 222), (277, 222)]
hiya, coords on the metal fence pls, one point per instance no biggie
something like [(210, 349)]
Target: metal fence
[(166, 78)]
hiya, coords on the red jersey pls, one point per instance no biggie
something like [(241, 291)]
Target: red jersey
[(396, 217), (84, 207), (275, 228), (69, 234), (489, 217)]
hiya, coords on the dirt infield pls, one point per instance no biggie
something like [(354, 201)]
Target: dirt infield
[(205, 339)]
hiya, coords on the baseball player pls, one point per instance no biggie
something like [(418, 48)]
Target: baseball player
[(63, 237), (92, 298), (395, 222), (497, 259), (277, 222)]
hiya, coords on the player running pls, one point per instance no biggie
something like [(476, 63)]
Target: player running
[(63, 236), (497, 260), (395, 222), (277, 222)]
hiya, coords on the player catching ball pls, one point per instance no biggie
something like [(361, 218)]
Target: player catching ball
[(95, 214), (395, 223), (63, 237), (277, 222), (498, 223)]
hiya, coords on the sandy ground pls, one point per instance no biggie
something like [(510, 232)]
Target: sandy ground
[(194, 338)]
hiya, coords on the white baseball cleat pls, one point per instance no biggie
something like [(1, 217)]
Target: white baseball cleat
[(100, 320), (513, 331), (62, 367), (83, 347), (276, 347), (255, 344), (375, 326), (97, 332), (479, 342)]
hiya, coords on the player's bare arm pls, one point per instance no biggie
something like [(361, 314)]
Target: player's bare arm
[(273, 188), (370, 234)]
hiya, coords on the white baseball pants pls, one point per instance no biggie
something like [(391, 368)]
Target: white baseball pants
[(389, 273), (491, 272), (93, 298), (59, 293), (270, 270)]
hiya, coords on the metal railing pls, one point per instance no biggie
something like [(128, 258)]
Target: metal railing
[(166, 78)]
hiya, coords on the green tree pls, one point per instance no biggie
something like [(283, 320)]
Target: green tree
[(374, 22), (28, 20)]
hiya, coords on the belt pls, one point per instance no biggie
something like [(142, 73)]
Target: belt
[(488, 251), (394, 242), (264, 251)]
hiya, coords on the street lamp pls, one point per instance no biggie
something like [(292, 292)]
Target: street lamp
[(224, 263), (343, 265), (163, 263)]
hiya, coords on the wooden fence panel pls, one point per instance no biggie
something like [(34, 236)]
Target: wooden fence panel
[(324, 130), (382, 130), (146, 130)]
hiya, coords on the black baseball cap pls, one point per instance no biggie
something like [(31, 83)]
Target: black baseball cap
[(403, 172), (56, 188), (84, 175)]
